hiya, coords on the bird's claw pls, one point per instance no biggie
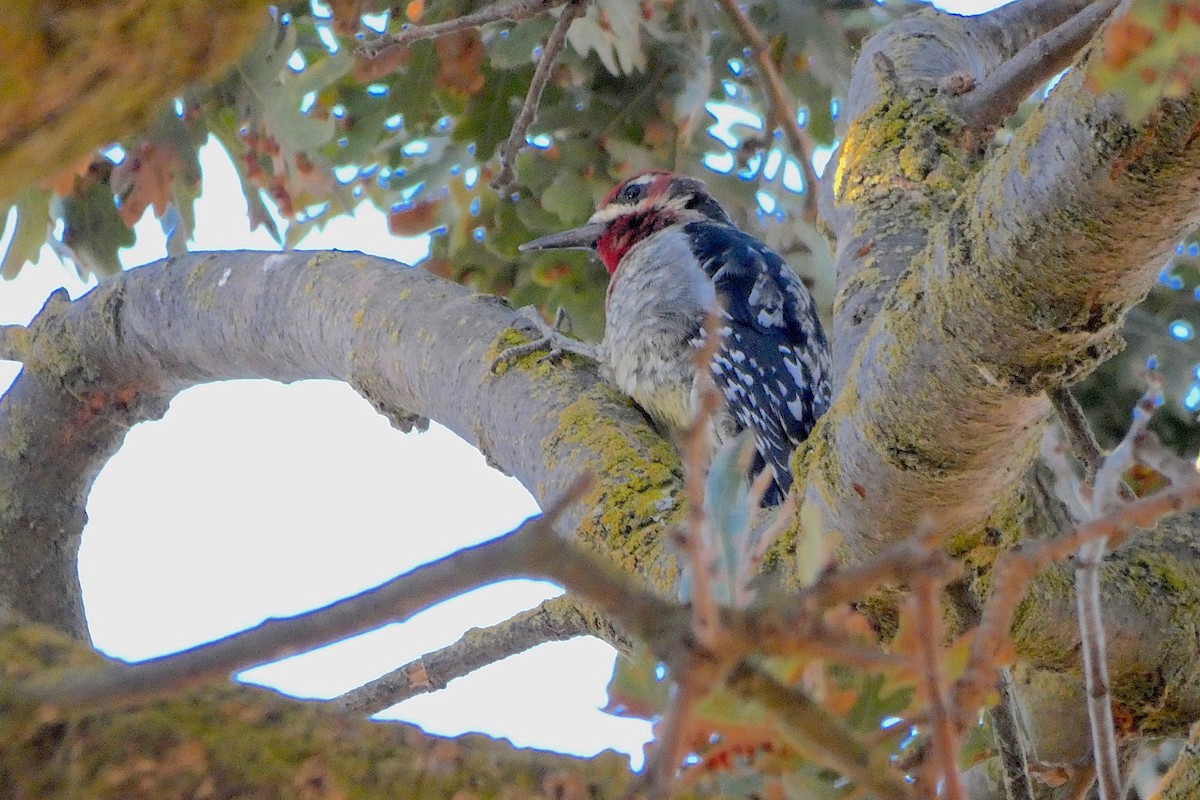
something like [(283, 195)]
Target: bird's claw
[(551, 339)]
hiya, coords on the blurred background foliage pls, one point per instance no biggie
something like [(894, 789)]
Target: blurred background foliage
[(315, 127)]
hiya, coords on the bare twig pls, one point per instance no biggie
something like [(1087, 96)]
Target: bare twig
[(671, 741), (386, 48), (504, 182), (899, 563), (942, 724), (999, 94), (1010, 741), (395, 600), (1109, 493), (697, 453), (816, 732), (783, 110), (555, 620), (1095, 669)]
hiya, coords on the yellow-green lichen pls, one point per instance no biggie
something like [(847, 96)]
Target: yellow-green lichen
[(633, 503)]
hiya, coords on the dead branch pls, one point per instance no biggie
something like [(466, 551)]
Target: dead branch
[(944, 736)]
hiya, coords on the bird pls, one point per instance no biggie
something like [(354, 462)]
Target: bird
[(674, 257)]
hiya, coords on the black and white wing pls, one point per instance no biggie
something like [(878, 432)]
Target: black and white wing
[(773, 363)]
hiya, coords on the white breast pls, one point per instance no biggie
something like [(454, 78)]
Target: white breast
[(657, 302)]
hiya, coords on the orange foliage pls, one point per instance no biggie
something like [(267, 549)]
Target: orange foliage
[(460, 62)]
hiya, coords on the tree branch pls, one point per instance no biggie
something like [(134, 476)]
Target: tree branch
[(943, 733), (782, 111), (816, 733), (1010, 741), (513, 10), (394, 601), (1003, 90), (1014, 571), (238, 741), (939, 390), (407, 341), (507, 178), (555, 620)]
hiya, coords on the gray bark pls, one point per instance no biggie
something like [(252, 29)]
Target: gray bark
[(412, 344)]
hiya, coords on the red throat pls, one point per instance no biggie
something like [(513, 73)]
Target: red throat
[(626, 231)]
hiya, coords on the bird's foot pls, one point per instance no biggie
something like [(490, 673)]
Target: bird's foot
[(551, 339)]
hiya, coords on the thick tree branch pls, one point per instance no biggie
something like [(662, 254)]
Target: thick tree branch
[(80, 76), (1003, 90), (946, 333), (409, 342), (236, 741)]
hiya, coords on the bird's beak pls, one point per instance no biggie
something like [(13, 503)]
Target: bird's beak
[(584, 237)]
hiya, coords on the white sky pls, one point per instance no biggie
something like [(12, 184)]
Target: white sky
[(251, 499)]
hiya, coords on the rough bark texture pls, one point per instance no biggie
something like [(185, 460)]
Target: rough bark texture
[(968, 285), (231, 741), (412, 344), (77, 76), (969, 280)]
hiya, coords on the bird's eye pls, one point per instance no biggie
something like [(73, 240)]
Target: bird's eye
[(633, 192)]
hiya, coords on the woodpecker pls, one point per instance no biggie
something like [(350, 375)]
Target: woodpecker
[(674, 256)]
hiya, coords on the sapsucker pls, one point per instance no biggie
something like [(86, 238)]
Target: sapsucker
[(673, 257)]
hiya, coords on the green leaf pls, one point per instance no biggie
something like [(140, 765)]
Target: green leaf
[(511, 47), (569, 196), (273, 91), (32, 227), (636, 688), (93, 232)]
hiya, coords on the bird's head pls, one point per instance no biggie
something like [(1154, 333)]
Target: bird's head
[(635, 209)]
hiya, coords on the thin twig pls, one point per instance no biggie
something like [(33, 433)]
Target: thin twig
[(555, 620), (1095, 669), (1014, 571), (816, 732), (944, 735), (398, 599), (504, 182), (783, 110), (698, 451), (999, 94), (670, 744), (386, 47), (1108, 493), (1010, 741)]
